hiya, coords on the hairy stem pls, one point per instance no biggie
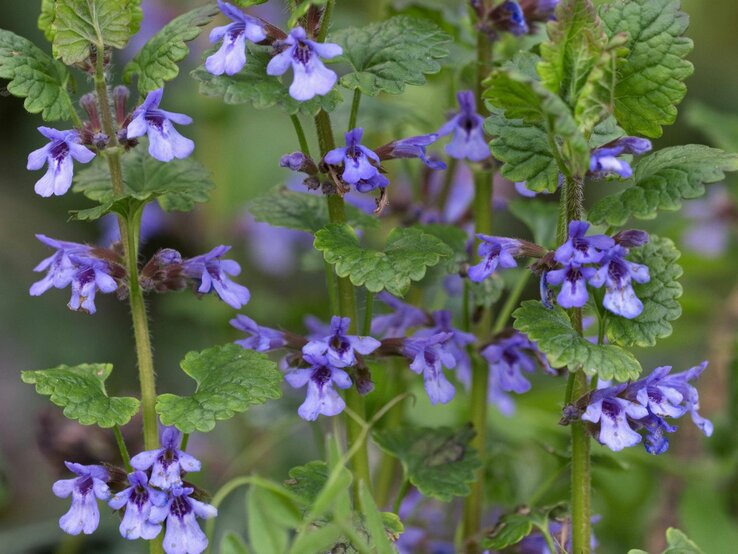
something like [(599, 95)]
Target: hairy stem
[(346, 308), (572, 197), (129, 233), (354, 109)]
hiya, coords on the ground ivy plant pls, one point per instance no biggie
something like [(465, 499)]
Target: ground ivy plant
[(569, 105)]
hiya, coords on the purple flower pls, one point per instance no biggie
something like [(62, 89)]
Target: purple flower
[(631, 238), (457, 344), (316, 327), (508, 358), (165, 142), (613, 413), (138, 500), (654, 426), (261, 339), (411, 147), (358, 169), (168, 462), (671, 395), (74, 264), (617, 274), (573, 280), (580, 249), (91, 276), (403, 317), (231, 56), (429, 356), (522, 189), (468, 141), (509, 17), (494, 252), (213, 274), (321, 397), (89, 485), (297, 161), (183, 534), (311, 77), (58, 154), (605, 160), (339, 348)]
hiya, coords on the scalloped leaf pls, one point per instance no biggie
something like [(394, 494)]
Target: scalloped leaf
[(439, 462), (520, 97), (387, 56), (35, 76), (650, 80), (564, 347), (80, 390), (253, 86), (302, 211), (662, 180), (407, 255), (177, 185), (229, 381), (157, 60), (78, 24), (659, 296)]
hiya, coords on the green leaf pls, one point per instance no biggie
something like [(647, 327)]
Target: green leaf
[(232, 543), (659, 296), (596, 100), (575, 43), (650, 81), (156, 62), (720, 127), (253, 86), (679, 543), (178, 184), (78, 24), (521, 98), (662, 180), (374, 522), (539, 216), (35, 76), (269, 517), (308, 480), (511, 529), (320, 539), (46, 18), (387, 56), (229, 380), (524, 151), (564, 347), (408, 253), (439, 462), (302, 211), (80, 390)]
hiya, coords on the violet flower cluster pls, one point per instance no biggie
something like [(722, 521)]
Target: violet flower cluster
[(65, 147), (606, 159), (622, 415), (598, 260), (155, 495), (305, 56)]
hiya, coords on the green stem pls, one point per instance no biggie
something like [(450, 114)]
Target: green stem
[(124, 455), (354, 109), (368, 310), (401, 495), (304, 148), (184, 442), (129, 231), (346, 308), (577, 386), (389, 466), (326, 20), (511, 302)]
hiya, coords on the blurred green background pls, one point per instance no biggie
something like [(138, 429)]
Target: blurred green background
[(693, 487)]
